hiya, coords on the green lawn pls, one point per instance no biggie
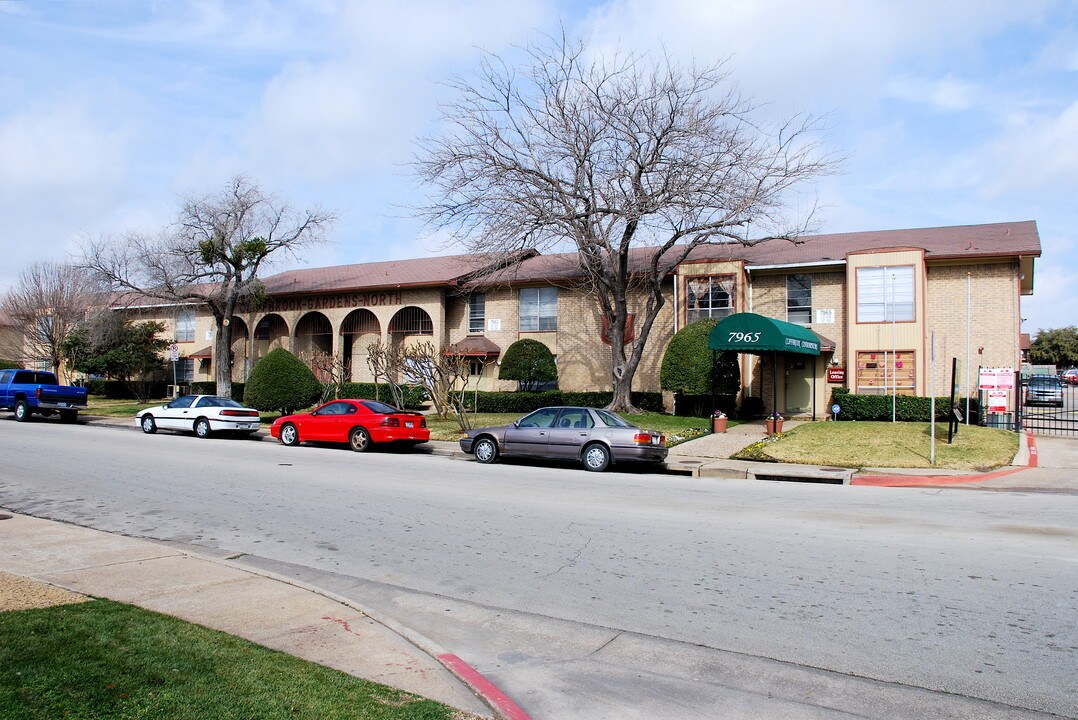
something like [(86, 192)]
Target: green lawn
[(884, 444), (105, 660)]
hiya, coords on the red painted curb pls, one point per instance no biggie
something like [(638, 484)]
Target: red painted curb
[(483, 687), (930, 480)]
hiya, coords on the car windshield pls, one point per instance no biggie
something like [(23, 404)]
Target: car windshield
[(612, 420), (1043, 380)]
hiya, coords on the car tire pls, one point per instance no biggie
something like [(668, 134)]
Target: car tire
[(485, 450), (289, 435), (148, 425), (22, 411), (596, 457), (359, 439), (202, 428)]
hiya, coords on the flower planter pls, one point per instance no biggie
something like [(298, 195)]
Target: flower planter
[(773, 426), (718, 425)]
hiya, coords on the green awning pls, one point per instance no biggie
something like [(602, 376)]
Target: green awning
[(752, 333)]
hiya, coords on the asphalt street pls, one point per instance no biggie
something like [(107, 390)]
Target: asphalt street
[(622, 594)]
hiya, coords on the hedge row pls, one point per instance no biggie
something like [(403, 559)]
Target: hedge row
[(525, 402), (906, 407), (10, 365), (210, 388), (414, 395), (120, 390)]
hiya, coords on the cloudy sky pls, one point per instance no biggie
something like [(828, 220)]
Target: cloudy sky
[(950, 113)]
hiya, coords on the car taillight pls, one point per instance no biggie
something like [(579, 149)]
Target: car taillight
[(391, 422), (37, 393), (422, 422), (240, 413), (648, 439)]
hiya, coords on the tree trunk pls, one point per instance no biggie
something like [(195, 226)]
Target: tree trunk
[(222, 356)]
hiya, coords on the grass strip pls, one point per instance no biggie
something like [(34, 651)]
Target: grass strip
[(106, 660)]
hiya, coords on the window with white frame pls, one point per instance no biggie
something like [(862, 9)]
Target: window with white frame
[(709, 297), (799, 299), (185, 326), (538, 309), (477, 313), (476, 367), (885, 294)]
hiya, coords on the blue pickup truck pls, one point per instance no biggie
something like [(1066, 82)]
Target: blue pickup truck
[(33, 392)]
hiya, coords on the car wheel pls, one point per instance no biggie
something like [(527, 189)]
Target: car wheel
[(202, 428), (485, 450), (22, 411), (148, 425), (289, 435), (359, 439), (596, 457)]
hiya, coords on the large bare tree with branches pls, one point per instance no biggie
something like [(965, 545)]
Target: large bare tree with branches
[(210, 257), (634, 161), (49, 301)]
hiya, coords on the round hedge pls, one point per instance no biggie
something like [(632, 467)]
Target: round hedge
[(688, 367), (530, 363), (280, 381)]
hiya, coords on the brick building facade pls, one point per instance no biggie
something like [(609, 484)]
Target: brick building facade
[(876, 300)]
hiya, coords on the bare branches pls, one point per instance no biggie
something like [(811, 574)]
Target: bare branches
[(611, 154), (46, 304), (211, 255)]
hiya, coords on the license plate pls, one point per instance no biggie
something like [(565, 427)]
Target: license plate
[(409, 423), (63, 404)]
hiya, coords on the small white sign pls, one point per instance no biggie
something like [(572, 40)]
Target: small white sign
[(173, 352), (825, 317), (494, 325)]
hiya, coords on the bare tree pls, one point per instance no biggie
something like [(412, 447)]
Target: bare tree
[(387, 361), (331, 370), (634, 162), (47, 303), (444, 377), (211, 256)]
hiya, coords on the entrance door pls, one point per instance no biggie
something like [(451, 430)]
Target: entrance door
[(798, 385)]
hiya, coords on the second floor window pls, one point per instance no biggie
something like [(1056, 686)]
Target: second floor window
[(185, 326), (477, 313), (538, 309), (709, 297), (799, 299), (885, 294)]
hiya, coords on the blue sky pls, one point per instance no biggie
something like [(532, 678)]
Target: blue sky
[(951, 113)]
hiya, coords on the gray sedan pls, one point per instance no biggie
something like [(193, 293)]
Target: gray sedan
[(595, 437)]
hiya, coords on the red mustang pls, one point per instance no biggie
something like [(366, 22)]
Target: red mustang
[(356, 422)]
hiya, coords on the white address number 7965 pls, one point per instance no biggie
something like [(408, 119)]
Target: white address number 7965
[(743, 337)]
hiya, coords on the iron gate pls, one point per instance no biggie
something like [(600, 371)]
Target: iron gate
[(1045, 407)]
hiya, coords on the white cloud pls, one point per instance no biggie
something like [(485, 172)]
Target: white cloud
[(1037, 153), (946, 93)]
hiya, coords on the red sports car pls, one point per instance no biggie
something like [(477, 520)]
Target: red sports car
[(356, 422)]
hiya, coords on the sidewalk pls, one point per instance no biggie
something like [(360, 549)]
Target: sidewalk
[(274, 612)]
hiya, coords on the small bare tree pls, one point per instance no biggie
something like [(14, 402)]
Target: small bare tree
[(386, 361), (211, 256), (47, 303), (442, 375), (331, 370), (632, 162)]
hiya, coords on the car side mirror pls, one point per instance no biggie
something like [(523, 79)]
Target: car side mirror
[(516, 424)]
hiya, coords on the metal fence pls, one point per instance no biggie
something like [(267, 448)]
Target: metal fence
[(1043, 410)]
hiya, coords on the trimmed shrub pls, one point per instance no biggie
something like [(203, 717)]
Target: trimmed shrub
[(120, 390), (414, 395), (690, 367), (530, 363), (907, 408), (210, 388), (280, 381), (526, 402), (10, 365)]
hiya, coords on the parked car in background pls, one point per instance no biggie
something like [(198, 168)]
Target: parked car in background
[(203, 415), (1044, 390), (598, 438), (1070, 377), (360, 423), (36, 392)]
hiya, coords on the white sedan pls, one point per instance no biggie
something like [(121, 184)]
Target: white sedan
[(203, 415)]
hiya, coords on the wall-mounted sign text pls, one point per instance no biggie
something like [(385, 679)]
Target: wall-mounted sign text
[(836, 374), (331, 302)]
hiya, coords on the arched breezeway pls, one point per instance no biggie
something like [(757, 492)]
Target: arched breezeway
[(271, 332), (240, 341), (359, 330), (408, 322)]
